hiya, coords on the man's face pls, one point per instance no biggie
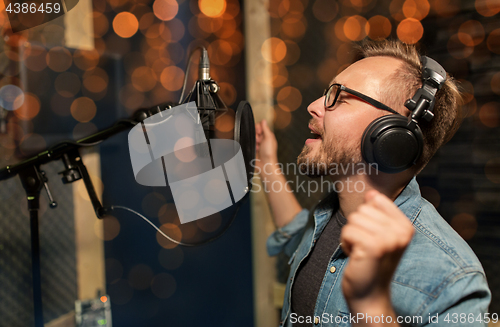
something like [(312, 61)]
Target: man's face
[(339, 129)]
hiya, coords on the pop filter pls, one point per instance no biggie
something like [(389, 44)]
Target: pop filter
[(244, 134)]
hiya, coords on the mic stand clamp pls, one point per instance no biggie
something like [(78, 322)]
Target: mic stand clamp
[(76, 170)]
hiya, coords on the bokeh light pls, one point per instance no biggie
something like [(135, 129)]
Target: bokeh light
[(380, 27), (83, 109), (152, 203), (289, 98), (487, 8), (165, 9), (125, 24), (325, 10), (445, 8), (354, 28), (282, 118), (86, 59), (489, 114), (457, 49), (210, 223), (101, 24), (59, 59), (171, 78), (273, 50), (227, 93), (212, 8), (171, 230), (11, 97), (131, 98), (493, 41), (471, 33), (29, 108), (143, 79), (108, 229), (417, 9), (410, 30)]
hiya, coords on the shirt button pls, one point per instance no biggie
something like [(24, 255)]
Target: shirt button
[(333, 269), (316, 320)]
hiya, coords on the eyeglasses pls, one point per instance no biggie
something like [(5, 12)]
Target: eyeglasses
[(333, 91)]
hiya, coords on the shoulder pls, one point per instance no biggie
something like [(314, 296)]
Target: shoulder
[(437, 264)]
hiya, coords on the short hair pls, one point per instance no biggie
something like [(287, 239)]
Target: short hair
[(403, 84)]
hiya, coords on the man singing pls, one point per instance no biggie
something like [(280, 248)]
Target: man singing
[(382, 255)]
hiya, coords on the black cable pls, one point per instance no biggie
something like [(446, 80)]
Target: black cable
[(238, 205), (74, 143)]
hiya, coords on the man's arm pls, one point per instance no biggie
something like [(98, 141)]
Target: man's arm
[(284, 205), (375, 238)]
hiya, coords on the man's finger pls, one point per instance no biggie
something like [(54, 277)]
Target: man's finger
[(265, 128), (382, 202)]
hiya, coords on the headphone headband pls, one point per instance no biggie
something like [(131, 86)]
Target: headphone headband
[(395, 143), (433, 78)]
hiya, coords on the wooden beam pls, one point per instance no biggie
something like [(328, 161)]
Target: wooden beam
[(260, 96)]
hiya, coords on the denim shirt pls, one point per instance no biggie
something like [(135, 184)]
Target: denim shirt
[(439, 280)]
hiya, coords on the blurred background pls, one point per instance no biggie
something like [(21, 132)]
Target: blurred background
[(79, 73)]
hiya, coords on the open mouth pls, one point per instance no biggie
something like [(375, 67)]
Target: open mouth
[(315, 134)]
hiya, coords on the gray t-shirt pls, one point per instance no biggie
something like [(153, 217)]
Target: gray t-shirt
[(311, 271)]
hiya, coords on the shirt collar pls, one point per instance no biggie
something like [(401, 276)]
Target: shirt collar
[(408, 201)]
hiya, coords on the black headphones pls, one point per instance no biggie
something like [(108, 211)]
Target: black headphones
[(394, 143)]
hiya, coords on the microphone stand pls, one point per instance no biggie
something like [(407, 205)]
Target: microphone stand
[(34, 180), (210, 105)]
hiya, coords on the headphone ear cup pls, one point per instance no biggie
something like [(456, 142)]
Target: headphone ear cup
[(391, 144)]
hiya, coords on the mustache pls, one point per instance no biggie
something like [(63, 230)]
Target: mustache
[(316, 127)]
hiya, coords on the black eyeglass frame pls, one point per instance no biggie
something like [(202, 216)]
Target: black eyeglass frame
[(373, 102)]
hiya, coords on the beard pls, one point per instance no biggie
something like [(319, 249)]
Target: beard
[(328, 157)]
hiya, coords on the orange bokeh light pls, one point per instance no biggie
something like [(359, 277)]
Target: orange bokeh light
[(171, 230), (445, 8), (220, 52), (489, 114), (289, 97), (273, 50), (410, 30), (125, 24), (83, 109), (379, 27), (143, 79), (354, 28), (212, 8), (417, 9), (59, 59), (171, 78), (165, 9), (471, 33), (30, 107), (493, 41), (487, 8)]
